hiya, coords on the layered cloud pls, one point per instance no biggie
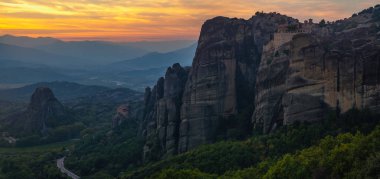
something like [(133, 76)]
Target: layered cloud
[(134, 20)]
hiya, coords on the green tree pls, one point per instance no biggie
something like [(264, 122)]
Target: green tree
[(322, 23)]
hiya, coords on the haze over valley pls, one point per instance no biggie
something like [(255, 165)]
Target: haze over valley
[(26, 60), (189, 89)]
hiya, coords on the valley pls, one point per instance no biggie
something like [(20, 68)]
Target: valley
[(25, 60), (265, 97), (33, 162)]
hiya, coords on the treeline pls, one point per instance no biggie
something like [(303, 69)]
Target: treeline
[(41, 166), (344, 156), (25, 163), (265, 155), (105, 153), (58, 134)]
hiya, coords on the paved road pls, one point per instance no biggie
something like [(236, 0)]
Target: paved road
[(10, 140), (61, 167)]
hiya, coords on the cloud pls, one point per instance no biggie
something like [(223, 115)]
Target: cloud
[(150, 19)]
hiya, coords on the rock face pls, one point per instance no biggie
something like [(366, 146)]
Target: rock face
[(226, 58), (184, 111), (236, 75), (223, 75), (270, 88), (319, 72), (44, 111), (162, 116)]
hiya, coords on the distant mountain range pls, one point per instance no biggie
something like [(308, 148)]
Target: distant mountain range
[(69, 54), (27, 42), (162, 46), (140, 72), (38, 57), (32, 60), (183, 56), (73, 93), (92, 52), (15, 75), (63, 91)]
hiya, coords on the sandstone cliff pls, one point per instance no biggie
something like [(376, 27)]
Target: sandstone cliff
[(222, 79), (243, 71), (219, 85), (162, 111), (334, 68), (226, 58)]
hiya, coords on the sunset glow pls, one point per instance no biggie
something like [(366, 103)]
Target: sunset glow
[(136, 20)]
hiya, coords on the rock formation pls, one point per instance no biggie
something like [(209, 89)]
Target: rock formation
[(315, 73), (122, 113), (239, 69), (270, 87), (226, 58), (163, 110), (223, 75), (44, 111), (182, 111)]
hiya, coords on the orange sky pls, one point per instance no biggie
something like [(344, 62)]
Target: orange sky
[(136, 20)]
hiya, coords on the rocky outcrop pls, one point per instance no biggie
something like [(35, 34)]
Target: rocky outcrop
[(122, 114), (237, 77), (44, 111), (223, 75), (319, 72), (226, 57), (220, 84), (162, 116), (270, 88)]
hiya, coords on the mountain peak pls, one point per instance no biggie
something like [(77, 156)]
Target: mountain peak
[(41, 96), (44, 101), (44, 112)]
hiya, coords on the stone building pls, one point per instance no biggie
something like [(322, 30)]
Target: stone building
[(286, 32), (121, 116)]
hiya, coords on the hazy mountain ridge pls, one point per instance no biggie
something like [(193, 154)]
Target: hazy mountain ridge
[(161, 46), (88, 62), (183, 56), (95, 52), (31, 55), (28, 42), (18, 75), (140, 72), (63, 91)]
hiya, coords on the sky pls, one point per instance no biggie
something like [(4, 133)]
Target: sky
[(150, 20)]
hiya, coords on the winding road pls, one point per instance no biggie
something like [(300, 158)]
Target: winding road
[(61, 167)]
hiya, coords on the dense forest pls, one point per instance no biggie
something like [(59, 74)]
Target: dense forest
[(346, 146), (341, 146), (32, 162)]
